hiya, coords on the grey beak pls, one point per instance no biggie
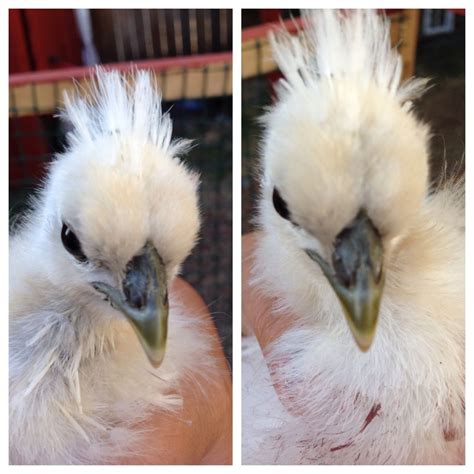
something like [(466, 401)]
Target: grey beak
[(144, 301), (357, 276)]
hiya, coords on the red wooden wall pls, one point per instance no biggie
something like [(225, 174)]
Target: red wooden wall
[(38, 40), (43, 39)]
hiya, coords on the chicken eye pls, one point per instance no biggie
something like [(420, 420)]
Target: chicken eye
[(280, 205), (71, 244)]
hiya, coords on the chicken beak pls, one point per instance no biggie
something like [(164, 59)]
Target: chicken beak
[(144, 301), (357, 276)]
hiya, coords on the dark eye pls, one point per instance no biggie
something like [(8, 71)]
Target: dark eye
[(71, 243), (280, 205)]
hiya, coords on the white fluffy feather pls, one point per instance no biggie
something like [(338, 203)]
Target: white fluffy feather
[(79, 379), (339, 138), (336, 44)]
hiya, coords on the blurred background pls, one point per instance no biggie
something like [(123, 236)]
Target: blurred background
[(190, 52), (431, 43)]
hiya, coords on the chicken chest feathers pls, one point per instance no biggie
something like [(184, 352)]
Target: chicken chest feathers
[(79, 379), (341, 138)]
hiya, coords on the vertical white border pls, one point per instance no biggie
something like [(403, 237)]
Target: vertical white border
[(4, 210), (236, 233), (469, 255)]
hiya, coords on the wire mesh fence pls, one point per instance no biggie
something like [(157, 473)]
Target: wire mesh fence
[(201, 110)]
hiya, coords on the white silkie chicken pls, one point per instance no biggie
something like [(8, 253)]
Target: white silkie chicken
[(93, 353), (362, 263)]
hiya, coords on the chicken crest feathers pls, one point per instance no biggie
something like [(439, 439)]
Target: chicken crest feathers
[(124, 105), (334, 44)]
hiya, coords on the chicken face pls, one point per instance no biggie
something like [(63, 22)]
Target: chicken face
[(345, 173), (126, 207)]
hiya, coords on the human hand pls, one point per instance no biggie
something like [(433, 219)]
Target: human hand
[(200, 433)]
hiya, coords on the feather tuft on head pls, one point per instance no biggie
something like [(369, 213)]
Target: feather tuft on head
[(123, 105), (352, 44)]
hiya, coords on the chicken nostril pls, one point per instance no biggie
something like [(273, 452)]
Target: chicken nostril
[(135, 297), (135, 282)]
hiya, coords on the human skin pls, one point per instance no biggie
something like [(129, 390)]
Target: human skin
[(257, 308), (257, 313), (202, 432)]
